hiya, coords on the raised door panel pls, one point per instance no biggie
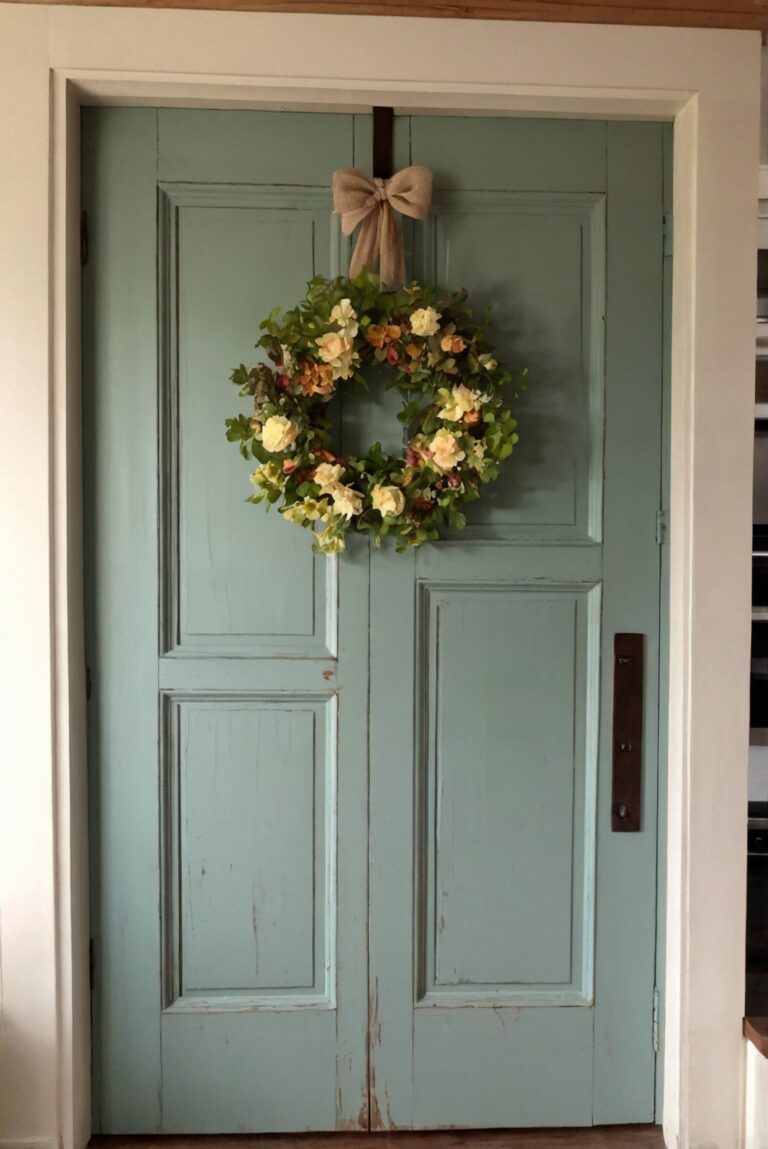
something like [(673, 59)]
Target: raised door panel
[(537, 262), (228, 256), (506, 850), (250, 827)]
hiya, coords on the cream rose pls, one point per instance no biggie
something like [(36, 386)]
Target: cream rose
[(425, 321), (345, 315), (332, 345), (279, 433), (346, 500), (457, 402), (446, 450), (387, 500), (345, 365), (327, 475), (336, 349)]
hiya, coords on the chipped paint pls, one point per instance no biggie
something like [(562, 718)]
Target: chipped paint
[(350, 1124), (377, 1121), (374, 1024)]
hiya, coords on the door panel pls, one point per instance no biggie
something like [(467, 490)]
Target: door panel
[(247, 846), (351, 817), (539, 260), (505, 911), (209, 232)]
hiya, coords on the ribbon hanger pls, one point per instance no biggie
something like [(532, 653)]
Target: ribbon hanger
[(370, 203), (383, 142)]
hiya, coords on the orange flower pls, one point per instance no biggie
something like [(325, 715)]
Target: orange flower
[(316, 378), (472, 417), (413, 350), (379, 336), (453, 344)]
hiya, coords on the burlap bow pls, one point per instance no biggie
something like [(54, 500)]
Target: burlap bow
[(370, 202)]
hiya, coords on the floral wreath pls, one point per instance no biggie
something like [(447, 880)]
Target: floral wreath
[(427, 345)]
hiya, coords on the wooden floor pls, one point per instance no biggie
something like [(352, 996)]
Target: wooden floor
[(602, 1137)]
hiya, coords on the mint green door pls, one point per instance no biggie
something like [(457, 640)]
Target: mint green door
[(351, 849)]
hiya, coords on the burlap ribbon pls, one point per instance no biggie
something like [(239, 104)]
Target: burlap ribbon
[(369, 203)]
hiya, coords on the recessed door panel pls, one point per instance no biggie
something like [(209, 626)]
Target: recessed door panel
[(213, 242), (538, 261), (250, 817), (508, 798)]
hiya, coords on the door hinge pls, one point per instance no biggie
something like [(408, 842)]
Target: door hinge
[(655, 1021), (668, 234), (83, 237), (662, 527)]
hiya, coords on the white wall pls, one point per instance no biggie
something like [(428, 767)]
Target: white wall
[(756, 1129)]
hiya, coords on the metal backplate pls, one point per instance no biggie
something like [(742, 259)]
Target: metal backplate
[(627, 732)]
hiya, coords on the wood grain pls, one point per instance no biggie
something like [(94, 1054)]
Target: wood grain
[(668, 13), (601, 1137)]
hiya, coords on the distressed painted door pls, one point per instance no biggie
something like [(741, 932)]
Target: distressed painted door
[(352, 859), (512, 934)]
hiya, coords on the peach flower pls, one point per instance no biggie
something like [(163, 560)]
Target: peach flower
[(379, 336), (445, 450), (453, 344)]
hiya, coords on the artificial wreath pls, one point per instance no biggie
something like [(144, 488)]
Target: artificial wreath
[(353, 332)]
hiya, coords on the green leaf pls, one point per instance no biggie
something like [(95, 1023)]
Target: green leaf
[(260, 452)]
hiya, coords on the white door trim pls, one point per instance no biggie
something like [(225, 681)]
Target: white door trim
[(54, 58)]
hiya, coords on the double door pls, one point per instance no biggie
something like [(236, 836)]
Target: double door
[(352, 856)]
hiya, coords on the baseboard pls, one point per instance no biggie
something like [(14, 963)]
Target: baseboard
[(29, 1143)]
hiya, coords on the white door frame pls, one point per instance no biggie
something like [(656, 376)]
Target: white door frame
[(52, 59)]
